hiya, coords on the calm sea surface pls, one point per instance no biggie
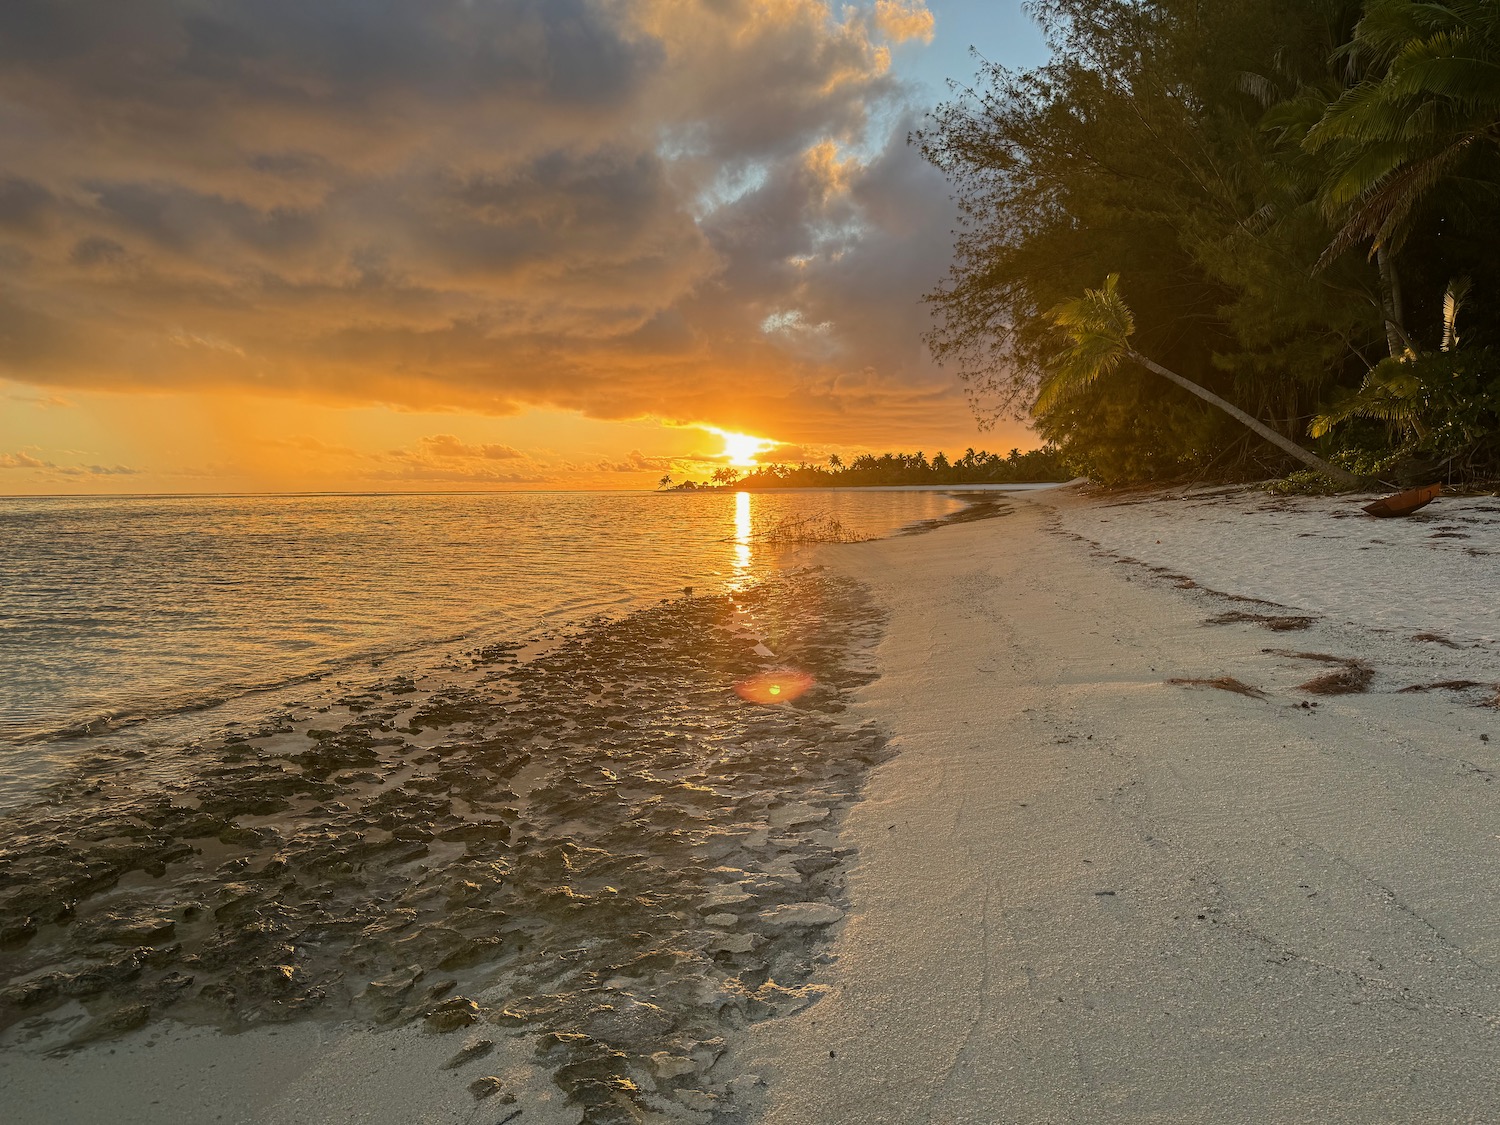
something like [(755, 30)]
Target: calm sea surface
[(120, 608)]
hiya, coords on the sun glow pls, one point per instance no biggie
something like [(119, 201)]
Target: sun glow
[(740, 449)]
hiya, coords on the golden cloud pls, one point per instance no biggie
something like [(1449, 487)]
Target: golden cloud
[(900, 22), (474, 206)]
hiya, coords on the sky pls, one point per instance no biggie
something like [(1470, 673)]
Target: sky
[(267, 245)]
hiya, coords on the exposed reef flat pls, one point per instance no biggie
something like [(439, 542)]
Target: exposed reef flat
[(588, 853)]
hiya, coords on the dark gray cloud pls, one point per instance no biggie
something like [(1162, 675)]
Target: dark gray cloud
[(24, 204), (619, 208)]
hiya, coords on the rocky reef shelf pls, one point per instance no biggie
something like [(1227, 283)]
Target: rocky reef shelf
[(592, 846)]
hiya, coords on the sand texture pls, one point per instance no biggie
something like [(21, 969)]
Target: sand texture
[(1085, 893)]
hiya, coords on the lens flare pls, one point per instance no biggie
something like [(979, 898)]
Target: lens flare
[(780, 686)]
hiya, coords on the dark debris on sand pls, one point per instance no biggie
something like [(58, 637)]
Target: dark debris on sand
[(1277, 623), (600, 849), (1351, 677), (1222, 683)]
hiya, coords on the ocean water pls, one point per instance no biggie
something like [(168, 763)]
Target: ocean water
[(114, 610)]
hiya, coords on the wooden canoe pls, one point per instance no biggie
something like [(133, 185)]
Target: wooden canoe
[(1404, 503)]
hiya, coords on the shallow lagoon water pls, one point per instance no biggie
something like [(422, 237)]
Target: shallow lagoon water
[(119, 608)]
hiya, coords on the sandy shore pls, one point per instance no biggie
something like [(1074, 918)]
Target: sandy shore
[(1078, 891), (1087, 894)]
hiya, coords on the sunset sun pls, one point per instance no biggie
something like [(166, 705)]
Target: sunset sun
[(741, 449)]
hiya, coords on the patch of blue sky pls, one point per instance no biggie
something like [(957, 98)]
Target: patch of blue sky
[(998, 30)]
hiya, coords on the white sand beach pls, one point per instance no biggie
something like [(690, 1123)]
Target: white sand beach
[(1085, 894)]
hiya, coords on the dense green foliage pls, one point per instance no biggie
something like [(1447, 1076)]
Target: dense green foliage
[(868, 470), (1296, 195)]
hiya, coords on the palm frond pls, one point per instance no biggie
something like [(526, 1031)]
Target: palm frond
[(1384, 209), (1453, 301), (1098, 326), (1431, 91), (1391, 393)]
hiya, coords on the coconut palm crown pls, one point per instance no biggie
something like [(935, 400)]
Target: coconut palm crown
[(1430, 103), (1098, 326)]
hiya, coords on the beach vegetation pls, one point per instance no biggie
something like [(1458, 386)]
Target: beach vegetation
[(1285, 189), (1304, 482), (796, 529), (1438, 406), (869, 470), (895, 469)]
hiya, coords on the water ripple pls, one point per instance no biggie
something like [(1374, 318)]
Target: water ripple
[(120, 607)]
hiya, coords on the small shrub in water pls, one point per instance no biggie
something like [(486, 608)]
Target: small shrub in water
[(814, 528)]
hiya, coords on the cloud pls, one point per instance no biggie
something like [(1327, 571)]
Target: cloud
[(665, 207), (447, 474), (637, 462), (789, 455), (307, 444), (448, 446), (44, 402), (21, 459), (100, 471), (901, 22), (445, 458)]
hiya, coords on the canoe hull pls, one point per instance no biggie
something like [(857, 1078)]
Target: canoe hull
[(1404, 503)]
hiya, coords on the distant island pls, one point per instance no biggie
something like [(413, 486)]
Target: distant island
[(1035, 466)]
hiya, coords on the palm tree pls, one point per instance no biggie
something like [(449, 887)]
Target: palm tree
[(1410, 391), (1432, 101), (665, 482), (1100, 325)]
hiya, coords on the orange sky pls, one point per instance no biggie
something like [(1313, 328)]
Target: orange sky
[(462, 243)]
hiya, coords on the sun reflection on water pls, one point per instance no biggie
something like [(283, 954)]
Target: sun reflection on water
[(741, 536)]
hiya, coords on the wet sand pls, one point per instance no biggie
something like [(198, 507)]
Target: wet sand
[(1086, 893)]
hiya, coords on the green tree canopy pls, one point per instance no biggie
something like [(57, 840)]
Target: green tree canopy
[(1193, 147)]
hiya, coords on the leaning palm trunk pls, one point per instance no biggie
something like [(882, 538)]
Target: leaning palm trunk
[(1099, 325), (1391, 304), (1280, 441)]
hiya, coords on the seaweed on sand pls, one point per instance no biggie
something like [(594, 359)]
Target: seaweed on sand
[(1446, 685), (1351, 677), (1223, 683), (1277, 623)]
